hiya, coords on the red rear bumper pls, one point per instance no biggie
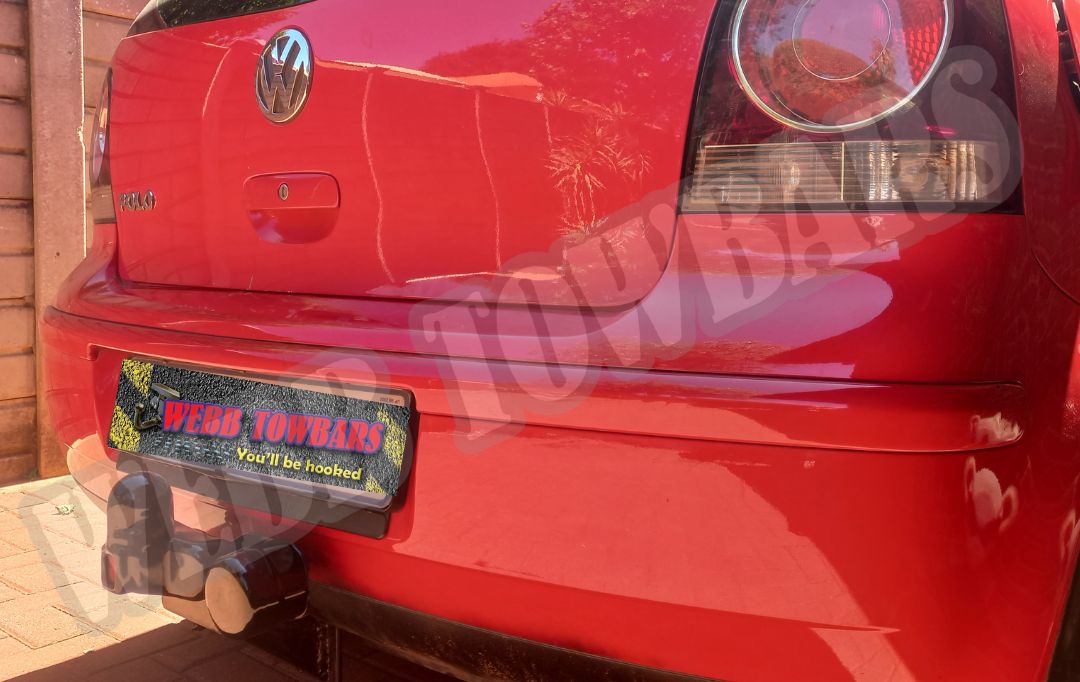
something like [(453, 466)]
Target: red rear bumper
[(683, 551)]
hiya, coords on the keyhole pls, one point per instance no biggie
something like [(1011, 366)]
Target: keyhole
[(283, 191)]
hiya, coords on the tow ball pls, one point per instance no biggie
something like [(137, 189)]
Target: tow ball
[(237, 588)]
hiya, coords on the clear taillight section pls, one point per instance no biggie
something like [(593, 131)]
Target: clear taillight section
[(855, 105), (768, 176), (101, 200)]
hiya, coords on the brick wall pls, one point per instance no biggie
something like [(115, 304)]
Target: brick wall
[(25, 445), (17, 402)]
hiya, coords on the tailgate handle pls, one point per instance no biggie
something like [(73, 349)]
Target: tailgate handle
[(292, 208)]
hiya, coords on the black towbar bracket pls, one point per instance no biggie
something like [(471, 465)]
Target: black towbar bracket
[(236, 588)]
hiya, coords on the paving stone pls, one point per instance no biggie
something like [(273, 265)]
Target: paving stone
[(86, 596), (9, 517), (77, 590), (83, 519), (206, 645), (8, 593), (37, 577), (85, 563), (57, 622), (27, 536), (153, 603), (46, 509), (58, 493), (59, 549), (51, 663), (18, 500), (75, 527), (7, 549), (13, 561), (39, 600), (276, 663), (41, 626), (148, 645), (31, 486), (137, 669), (124, 619), (30, 534), (83, 597), (234, 664), (11, 647), (111, 656)]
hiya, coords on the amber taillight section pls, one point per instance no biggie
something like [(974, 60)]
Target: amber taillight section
[(855, 105)]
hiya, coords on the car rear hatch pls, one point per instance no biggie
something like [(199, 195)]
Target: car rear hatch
[(520, 149)]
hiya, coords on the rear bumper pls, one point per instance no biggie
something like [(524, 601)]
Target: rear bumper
[(655, 521)]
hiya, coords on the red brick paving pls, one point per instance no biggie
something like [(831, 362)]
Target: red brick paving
[(58, 623)]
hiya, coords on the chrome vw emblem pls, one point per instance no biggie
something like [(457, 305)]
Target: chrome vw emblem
[(283, 77)]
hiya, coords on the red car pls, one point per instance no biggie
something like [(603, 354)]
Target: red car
[(592, 339)]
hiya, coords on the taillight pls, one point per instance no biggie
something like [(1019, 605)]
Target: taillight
[(855, 105), (101, 194)]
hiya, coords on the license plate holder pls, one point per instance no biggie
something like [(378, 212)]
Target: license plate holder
[(349, 444)]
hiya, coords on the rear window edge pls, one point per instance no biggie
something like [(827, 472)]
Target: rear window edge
[(162, 14)]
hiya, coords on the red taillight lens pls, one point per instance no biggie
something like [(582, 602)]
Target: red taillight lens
[(101, 202), (855, 105), (836, 64)]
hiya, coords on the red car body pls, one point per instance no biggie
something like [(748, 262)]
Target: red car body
[(782, 450)]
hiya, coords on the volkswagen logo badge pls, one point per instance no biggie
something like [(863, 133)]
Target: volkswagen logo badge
[(283, 77)]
